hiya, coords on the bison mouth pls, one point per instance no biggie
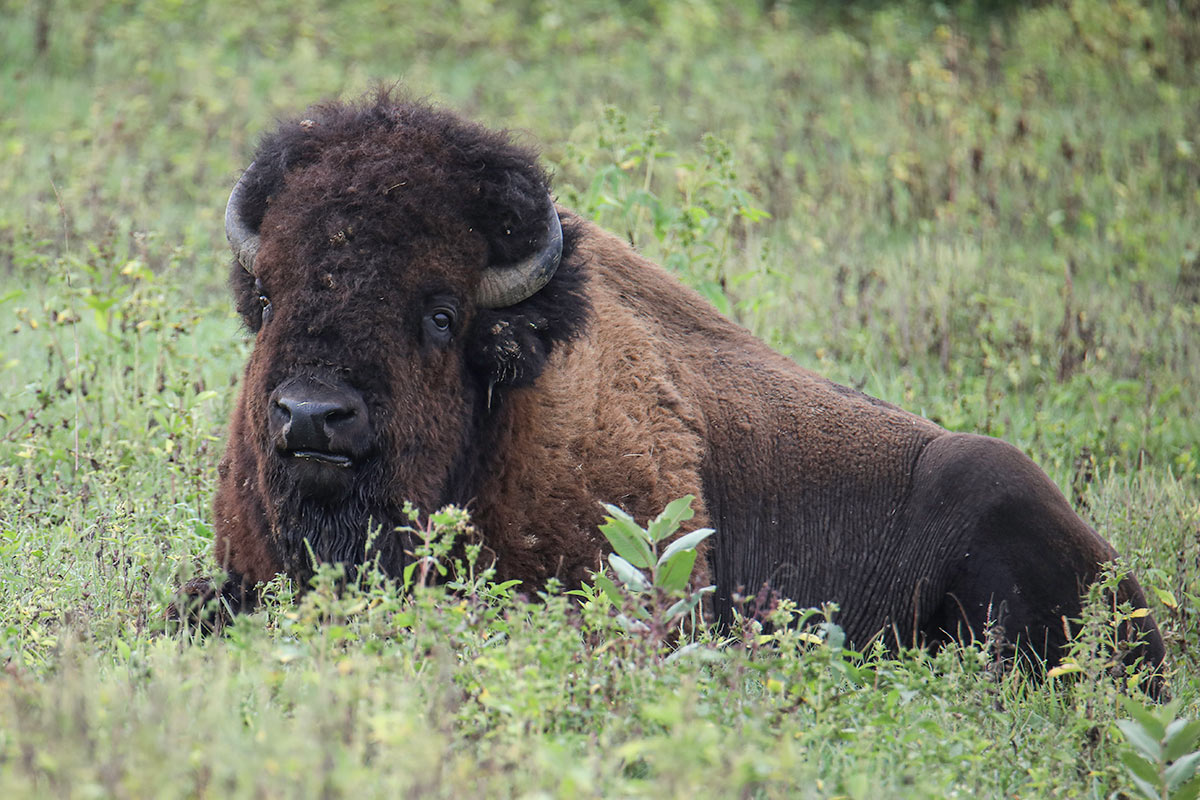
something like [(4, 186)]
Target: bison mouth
[(332, 459), (317, 475)]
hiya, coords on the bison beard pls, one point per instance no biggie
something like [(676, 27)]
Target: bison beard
[(338, 534), (485, 355)]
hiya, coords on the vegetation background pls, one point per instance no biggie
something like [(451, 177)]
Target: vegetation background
[(987, 213)]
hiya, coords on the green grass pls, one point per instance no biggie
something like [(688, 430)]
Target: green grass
[(990, 218)]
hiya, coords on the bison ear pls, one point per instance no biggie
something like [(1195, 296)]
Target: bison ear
[(245, 297), (508, 349)]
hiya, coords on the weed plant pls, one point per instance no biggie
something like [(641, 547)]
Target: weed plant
[(990, 216)]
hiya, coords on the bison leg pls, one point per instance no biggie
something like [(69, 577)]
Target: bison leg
[(1008, 550), (207, 606)]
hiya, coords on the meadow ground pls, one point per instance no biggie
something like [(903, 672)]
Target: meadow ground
[(987, 215)]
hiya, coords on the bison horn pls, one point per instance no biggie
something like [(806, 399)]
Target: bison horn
[(500, 287), (242, 241)]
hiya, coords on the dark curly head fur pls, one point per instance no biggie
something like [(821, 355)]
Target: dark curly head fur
[(371, 217)]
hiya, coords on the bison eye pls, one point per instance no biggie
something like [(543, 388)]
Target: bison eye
[(439, 324), (264, 301)]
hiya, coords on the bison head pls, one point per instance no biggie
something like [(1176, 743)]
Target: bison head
[(401, 270)]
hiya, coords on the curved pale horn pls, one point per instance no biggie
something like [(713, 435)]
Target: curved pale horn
[(508, 285), (242, 241)]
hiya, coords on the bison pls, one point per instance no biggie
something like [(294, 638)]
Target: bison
[(431, 327)]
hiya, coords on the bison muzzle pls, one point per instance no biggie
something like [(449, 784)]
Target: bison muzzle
[(430, 327)]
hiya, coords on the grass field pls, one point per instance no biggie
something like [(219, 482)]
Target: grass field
[(989, 217)]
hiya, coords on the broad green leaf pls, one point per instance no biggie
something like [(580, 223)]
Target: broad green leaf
[(1182, 770), (610, 589), (630, 575), (686, 542), (835, 637), (1189, 791), (504, 589), (1146, 718), (848, 670), (1143, 774), (684, 606), (1181, 738), (673, 575), (626, 537), (688, 603), (1136, 735), (1065, 668), (668, 521), (1166, 597)]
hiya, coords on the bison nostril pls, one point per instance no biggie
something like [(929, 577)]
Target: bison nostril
[(338, 416)]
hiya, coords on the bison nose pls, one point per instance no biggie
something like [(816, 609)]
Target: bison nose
[(315, 418)]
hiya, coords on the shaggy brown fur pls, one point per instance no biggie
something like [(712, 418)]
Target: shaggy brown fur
[(613, 383)]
